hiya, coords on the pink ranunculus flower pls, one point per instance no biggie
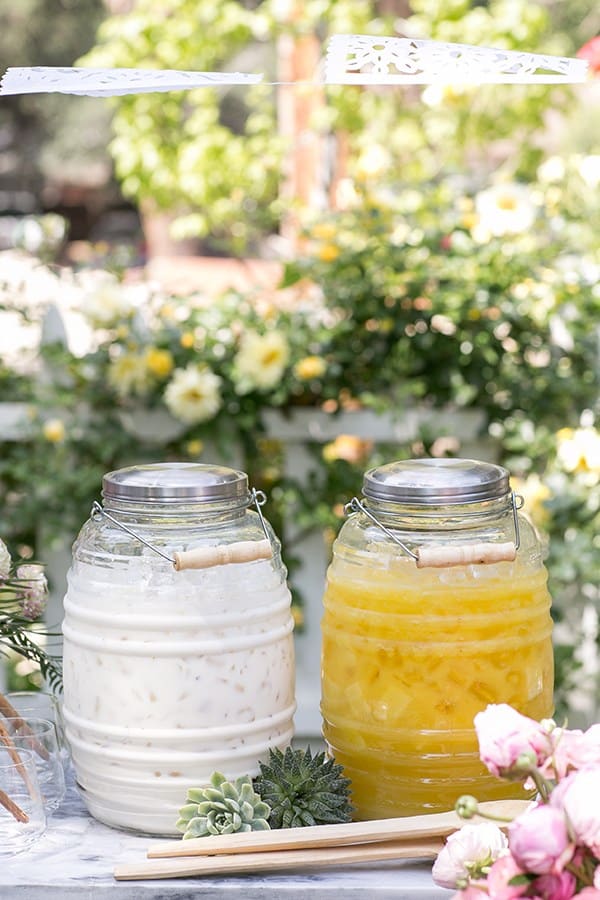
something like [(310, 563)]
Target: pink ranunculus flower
[(539, 840), (589, 893), (466, 852), (555, 887), (503, 870), (578, 797), (504, 735)]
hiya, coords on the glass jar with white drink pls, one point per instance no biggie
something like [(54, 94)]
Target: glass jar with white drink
[(178, 648)]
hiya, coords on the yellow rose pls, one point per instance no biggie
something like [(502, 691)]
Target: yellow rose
[(194, 448), (323, 231), (54, 431), (159, 362), (534, 493), (348, 447), (309, 367), (579, 450), (187, 340), (328, 252)]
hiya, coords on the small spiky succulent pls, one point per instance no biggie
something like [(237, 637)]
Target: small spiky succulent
[(303, 789), (223, 808)]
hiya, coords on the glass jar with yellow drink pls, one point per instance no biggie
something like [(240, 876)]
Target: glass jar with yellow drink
[(436, 605)]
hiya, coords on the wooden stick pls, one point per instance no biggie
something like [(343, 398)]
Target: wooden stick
[(12, 807), (407, 828), (7, 709), (277, 861), (8, 742)]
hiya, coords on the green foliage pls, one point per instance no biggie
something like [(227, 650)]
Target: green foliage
[(210, 156), (23, 597), (214, 158)]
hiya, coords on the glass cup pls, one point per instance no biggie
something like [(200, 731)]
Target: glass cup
[(41, 705), (22, 814), (39, 737)]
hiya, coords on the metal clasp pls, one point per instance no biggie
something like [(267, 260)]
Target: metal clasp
[(259, 498), (98, 510), (517, 503), (355, 506)]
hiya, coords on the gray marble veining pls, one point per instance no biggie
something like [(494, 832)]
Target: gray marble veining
[(76, 856)]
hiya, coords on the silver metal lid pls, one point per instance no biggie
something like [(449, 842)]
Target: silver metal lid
[(436, 482), (175, 482)]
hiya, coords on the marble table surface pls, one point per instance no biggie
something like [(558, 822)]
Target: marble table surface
[(76, 856)]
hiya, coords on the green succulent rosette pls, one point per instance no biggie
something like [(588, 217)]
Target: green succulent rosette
[(302, 789), (223, 808)]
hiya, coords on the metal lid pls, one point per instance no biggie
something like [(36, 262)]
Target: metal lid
[(175, 482), (436, 482)]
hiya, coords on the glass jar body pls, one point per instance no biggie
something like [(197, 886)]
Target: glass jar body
[(410, 654), (170, 675)]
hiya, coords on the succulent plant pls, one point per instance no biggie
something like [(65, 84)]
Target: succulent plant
[(222, 808), (303, 789)]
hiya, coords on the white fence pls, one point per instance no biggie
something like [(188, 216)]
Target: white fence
[(296, 432)]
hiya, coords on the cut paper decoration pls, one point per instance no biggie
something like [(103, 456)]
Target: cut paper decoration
[(364, 59), (113, 82), (351, 59)]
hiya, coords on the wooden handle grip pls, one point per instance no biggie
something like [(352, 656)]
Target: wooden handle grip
[(463, 555), (206, 557)]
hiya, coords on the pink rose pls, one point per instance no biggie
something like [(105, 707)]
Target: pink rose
[(539, 840), (573, 750), (555, 887), (578, 796), (589, 893), (504, 869), (466, 852), (591, 52), (504, 735)]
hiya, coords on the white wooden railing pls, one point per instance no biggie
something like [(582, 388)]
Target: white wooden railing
[(296, 432)]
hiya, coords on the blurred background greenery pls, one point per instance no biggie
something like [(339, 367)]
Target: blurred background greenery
[(432, 248)]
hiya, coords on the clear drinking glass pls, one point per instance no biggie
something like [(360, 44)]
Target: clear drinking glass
[(39, 737), (22, 815), (41, 705)]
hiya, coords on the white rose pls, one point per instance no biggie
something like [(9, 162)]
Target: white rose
[(260, 361), (505, 209), (466, 853), (128, 374), (109, 302), (193, 395)]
